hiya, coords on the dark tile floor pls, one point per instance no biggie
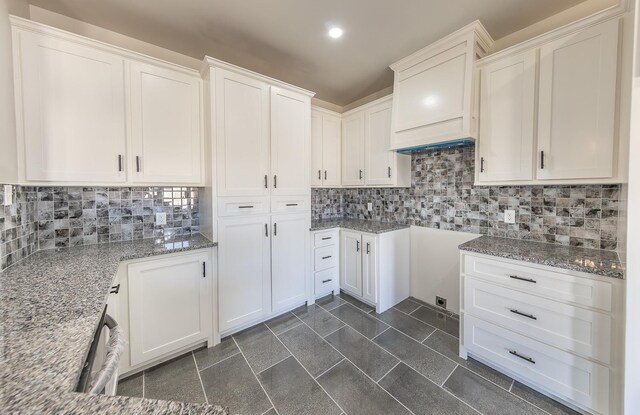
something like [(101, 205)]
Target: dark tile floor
[(340, 357)]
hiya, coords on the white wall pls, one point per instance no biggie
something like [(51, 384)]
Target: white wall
[(435, 264), (8, 150)]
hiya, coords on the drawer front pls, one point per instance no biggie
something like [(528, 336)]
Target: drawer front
[(239, 206), (327, 281), (325, 257), (285, 204), (562, 325), (562, 374), (325, 238), (556, 285)]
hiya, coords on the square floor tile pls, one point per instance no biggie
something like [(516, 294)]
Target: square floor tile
[(410, 326), (407, 306), (357, 303), (131, 386), (294, 392), (320, 320), (175, 380), (330, 302), (313, 352), (211, 355), (359, 320), (541, 401), (261, 348), (448, 345), (283, 323), (231, 383), (357, 394), (420, 395), (431, 364), (443, 321), (367, 356), (486, 397)]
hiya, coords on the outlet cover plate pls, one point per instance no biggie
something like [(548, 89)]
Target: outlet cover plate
[(509, 216), (369, 206), (161, 218)]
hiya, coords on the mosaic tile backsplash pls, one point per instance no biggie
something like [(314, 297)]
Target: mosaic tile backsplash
[(442, 196), (57, 217)]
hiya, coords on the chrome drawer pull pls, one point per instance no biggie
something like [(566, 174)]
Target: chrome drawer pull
[(292, 204), (516, 354), (515, 277), (245, 207), (326, 281), (326, 257), (531, 316), (326, 237)]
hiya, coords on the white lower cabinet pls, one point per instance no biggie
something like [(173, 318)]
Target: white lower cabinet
[(289, 263), (555, 330), (375, 267), (326, 262), (164, 306)]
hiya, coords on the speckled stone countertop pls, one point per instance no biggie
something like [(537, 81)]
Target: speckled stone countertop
[(368, 226), (592, 261), (50, 305)]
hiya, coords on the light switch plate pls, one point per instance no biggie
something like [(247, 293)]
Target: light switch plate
[(8, 195), (509, 216), (161, 218), (369, 207)]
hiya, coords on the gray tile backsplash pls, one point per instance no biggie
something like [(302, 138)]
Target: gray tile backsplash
[(57, 217), (442, 195)]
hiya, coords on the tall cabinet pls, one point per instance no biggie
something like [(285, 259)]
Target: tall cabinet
[(326, 148), (260, 199)]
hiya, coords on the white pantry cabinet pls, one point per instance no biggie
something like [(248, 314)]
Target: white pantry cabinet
[(326, 148), (375, 267), (88, 112), (434, 87), (166, 130)]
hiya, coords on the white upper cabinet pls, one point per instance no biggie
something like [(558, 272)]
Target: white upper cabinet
[(507, 110), (71, 110), (290, 142), (326, 148), (165, 124), (379, 160), (242, 134), (290, 259), (353, 127), (577, 104), (433, 90)]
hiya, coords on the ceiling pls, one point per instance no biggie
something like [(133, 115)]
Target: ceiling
[(287, 39)]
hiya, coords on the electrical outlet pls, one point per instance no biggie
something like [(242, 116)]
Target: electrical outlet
[(8, 195), (161, 218), (369, 206), (509, 216), (441, 302)]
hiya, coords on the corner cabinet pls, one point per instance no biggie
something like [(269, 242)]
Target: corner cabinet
[(375, 267), (548, 110), (326, 148), (90, 113)]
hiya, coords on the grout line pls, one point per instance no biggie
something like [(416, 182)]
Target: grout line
[(428, 335), (445, 381), (226, 358), (279, 361), (254, 373), (289, 328), (416, 318), (341, 360), (204, 392), (389, 371), (513, 381), (379, 333), (329, 334), (268, 410), (143, 385)]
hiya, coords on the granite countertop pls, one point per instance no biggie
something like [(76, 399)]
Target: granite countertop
[(368, 226), (592, 261), (50, 305)]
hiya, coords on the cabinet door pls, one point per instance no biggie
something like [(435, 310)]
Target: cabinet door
[(369, 268), (290, 260), (244, 270), (379, 160), (242, 134), (316, 148), (331, 149), (353, 149), (577, 104), (73, 111), (290, 142), (507, 111), (169, 305), (165, 125), (351, 262)]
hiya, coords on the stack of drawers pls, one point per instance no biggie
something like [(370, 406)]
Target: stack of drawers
[(326, 262), (553, 329)]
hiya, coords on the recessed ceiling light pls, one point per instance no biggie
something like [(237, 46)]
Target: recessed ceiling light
[(336, 32)]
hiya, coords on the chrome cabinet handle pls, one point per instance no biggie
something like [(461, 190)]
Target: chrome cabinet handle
[(275, 229), (138, 164), (291, 204), (481, 164), (531, 316), (266, 230), (115, 289), (515, 277), (360, 174), (326, 281), (204, 269), (325, 175), (368, 248), (357, 246), (326, 257), (326, 238), (528, 359), (265, 181), (246, 207), (389, 171), (320, 175), (275, 181), (119, 162), (541, 159)]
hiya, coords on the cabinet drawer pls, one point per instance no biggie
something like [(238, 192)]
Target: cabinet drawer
[(285, 204), (325, 238), (239, 206), (326, 281), (325, 257), (556, 285), (562, 325), (563, 374)]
